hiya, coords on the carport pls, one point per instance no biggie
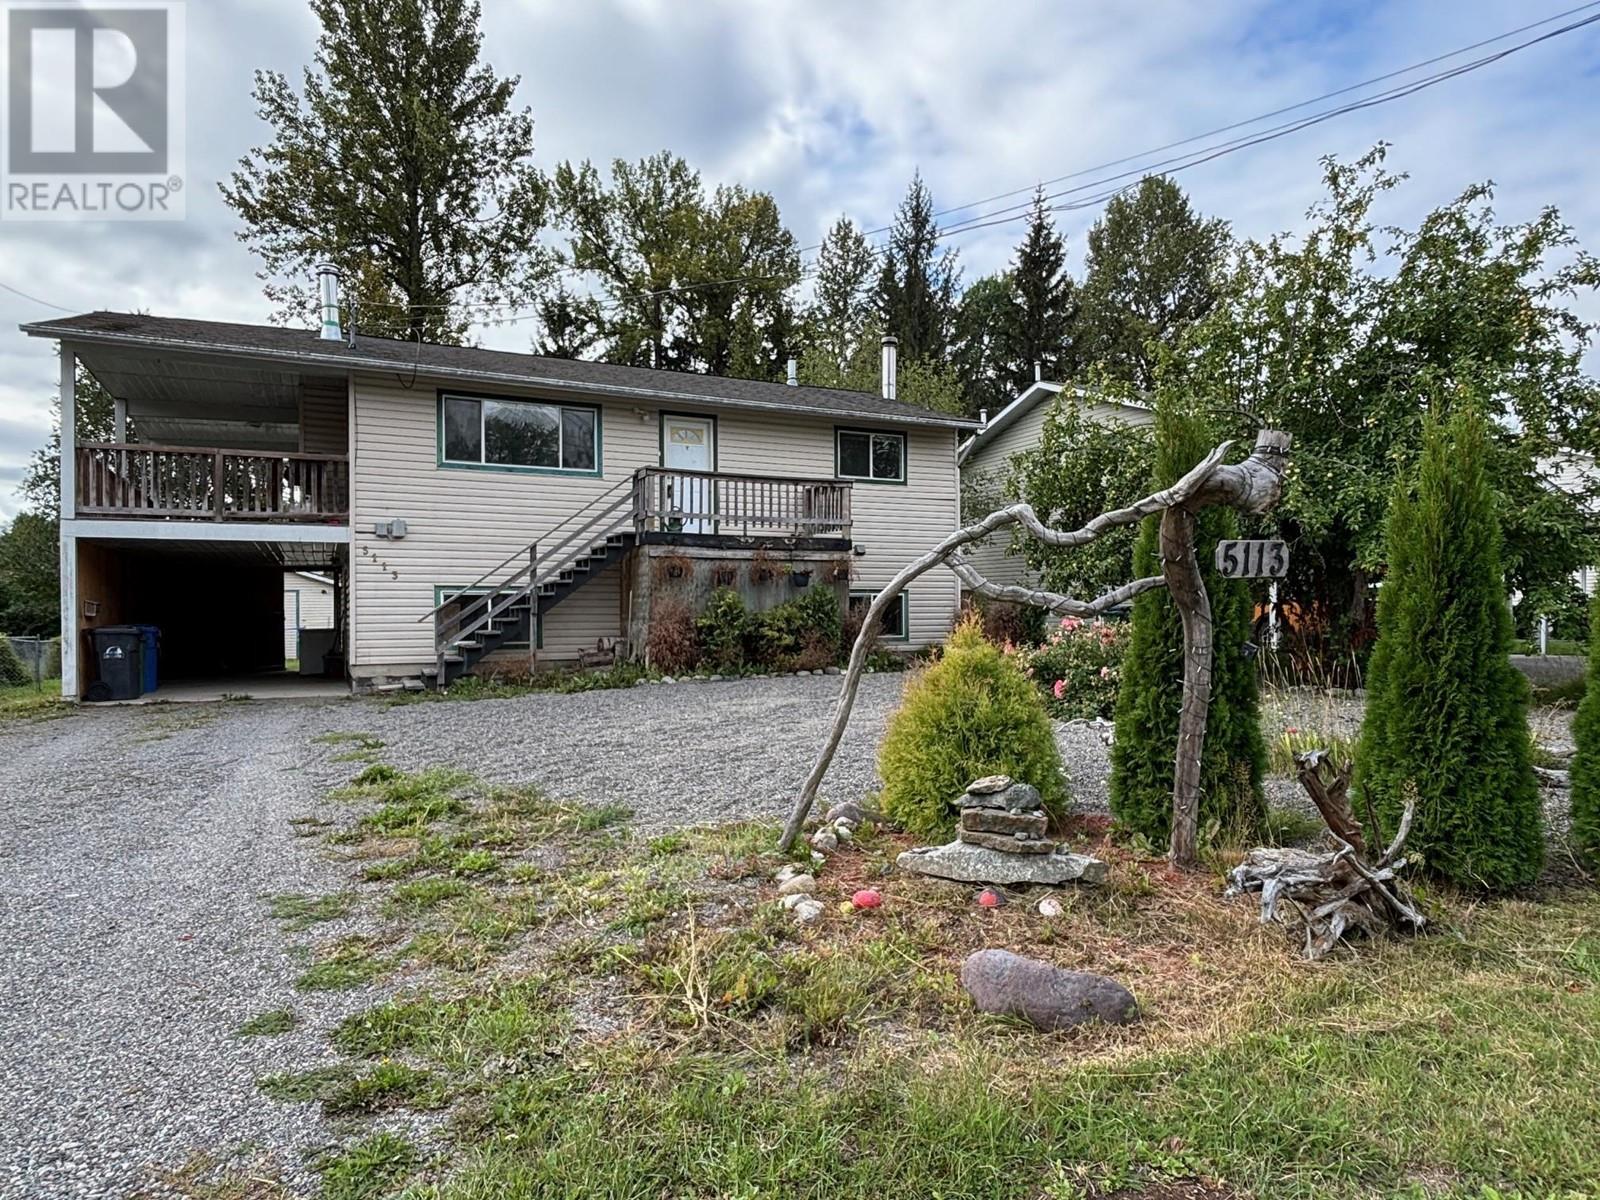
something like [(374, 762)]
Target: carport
[(215, 594)]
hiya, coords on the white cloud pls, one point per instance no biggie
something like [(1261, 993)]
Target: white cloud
[(831, 105)]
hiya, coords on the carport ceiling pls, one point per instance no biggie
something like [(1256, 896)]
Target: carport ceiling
[(292, 556), (179, 400)]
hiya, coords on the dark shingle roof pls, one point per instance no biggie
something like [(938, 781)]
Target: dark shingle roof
[(310, 352)]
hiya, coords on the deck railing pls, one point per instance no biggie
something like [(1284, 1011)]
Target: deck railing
[(142, 480), (744, 506)]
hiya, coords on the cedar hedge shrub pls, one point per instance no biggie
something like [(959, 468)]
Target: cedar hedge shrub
[(969, 714), (1446, 716), (1585, 777), (12, 671), (1232, 799)]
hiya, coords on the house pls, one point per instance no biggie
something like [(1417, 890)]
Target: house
[(466, 503), (985, 460), (308, 604)]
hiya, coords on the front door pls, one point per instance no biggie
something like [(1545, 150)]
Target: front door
[(688, 444)]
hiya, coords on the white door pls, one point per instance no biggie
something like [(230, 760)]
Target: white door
[(688, 445)]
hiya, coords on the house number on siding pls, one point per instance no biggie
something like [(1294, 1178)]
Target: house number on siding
[(1252, 559)]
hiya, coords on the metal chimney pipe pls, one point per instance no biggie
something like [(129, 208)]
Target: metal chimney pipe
[(1038, 370), (890, 349), (328, 290), (983, 417), (794, 372)]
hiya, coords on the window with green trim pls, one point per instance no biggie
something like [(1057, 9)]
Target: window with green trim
[(896, 620), (478, 431), (865, 454)]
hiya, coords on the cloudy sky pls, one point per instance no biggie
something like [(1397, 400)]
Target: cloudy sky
[(831, 104)]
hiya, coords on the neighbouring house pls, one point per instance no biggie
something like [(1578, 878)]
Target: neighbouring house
[(308, 605), (467, 504), (986, 457)]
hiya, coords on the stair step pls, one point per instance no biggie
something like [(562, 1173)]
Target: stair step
[(453, 658)]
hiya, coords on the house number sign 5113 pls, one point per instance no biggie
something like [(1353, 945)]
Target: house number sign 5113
[(1252, 559)]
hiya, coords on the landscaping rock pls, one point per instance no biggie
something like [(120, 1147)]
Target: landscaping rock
[(1015, 797), (867, 898), (830, 670), (1049, 997), (797, 885), (825, 840), (808, 911), (794, 901), (989, 784), (1006, 843), (978, 864), (989, 898), (999, 820), (848, 810), (1051, 906)]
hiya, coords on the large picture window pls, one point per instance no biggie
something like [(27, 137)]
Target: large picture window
[(869, 455), (895, 626), (478, 431)]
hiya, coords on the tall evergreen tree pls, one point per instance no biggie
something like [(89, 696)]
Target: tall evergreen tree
[(1585, 793), (1446, 719), (1151, 272), (840, 313), (1045, 304), (1234, 760), (404, 163), (980, 354), (918, 283)]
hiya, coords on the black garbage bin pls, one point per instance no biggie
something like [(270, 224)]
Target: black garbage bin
[(119, 662)]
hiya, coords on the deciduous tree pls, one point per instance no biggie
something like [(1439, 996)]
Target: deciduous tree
[(402, 160)]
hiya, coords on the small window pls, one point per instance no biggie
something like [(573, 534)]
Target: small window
[(879, 457), (520, 433), (894, 626)]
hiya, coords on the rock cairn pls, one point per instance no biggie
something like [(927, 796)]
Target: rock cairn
[(999, 813)]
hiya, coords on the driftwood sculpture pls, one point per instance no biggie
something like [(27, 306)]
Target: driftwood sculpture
[(1339, 891), (1252, 486)]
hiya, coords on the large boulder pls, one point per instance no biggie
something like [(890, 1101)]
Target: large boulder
[(1050, 997), (966, 863)]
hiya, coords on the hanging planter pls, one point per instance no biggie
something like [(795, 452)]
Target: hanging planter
[(801, 579)]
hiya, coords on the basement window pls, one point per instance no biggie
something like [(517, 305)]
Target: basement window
[(499, 434), (870, 456), (895, 626)]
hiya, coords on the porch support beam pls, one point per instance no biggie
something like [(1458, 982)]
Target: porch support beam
[(69, 432)]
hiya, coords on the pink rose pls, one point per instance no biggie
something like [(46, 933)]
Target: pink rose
[(1060, 688), (1105, 672)]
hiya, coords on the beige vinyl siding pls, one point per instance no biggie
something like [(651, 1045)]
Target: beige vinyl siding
[(462, 522), (324, 417)]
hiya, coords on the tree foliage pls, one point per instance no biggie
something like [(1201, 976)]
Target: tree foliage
[(981, 351), (403, 162), (30, 574), (1086, 462), (1345, 335), (971, 713), (1446, 720), (1585, 777), (918, 282), (96, 422), (1044, 309), (1234, 760), (839, 321), (1151, 271), (688, 281)]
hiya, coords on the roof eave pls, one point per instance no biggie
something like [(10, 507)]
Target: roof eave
[(355, 361)]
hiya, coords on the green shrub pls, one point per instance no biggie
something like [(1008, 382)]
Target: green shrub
[(971, 713), (724, 628), (1446, 716), (12, 672), (1077, 667), (799, 634), (1586, 761), (1232, 800)]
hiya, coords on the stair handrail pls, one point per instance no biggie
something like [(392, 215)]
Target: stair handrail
[(523, 551)]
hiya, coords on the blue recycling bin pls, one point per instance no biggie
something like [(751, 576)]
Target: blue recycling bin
[(150, 642)]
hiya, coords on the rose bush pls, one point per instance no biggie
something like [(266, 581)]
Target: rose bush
[(1078, 667)]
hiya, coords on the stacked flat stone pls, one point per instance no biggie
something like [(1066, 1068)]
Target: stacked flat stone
[(998, 813)]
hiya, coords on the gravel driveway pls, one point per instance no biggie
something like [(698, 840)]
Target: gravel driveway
[(141, 844)]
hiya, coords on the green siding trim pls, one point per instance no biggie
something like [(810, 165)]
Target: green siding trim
[(905, 613), (509, 468), (440, 591), (905, 454)]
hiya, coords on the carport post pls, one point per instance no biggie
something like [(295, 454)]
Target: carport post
[(68, 475)]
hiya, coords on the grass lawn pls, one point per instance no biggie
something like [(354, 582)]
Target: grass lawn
[(589, 1012), (31, 700)]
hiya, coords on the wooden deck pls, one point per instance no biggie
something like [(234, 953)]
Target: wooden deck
[(184, 483)]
